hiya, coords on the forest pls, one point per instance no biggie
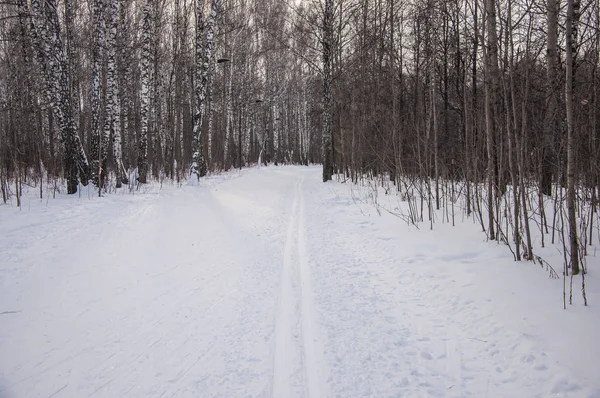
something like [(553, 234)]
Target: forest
[(492, 105)]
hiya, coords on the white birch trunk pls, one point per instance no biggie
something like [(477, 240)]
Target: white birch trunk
[(145, 100), (46, 38), (202, 73)]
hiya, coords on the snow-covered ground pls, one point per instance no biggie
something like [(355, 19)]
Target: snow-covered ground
[(269, 283)]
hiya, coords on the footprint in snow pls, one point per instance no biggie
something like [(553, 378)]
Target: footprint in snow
[(528, 358)]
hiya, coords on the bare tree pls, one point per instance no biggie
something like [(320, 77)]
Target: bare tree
[(571, 50), (327, 44)]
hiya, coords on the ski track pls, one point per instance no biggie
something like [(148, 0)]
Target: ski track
[(316, 371), (267, 283), (298, 365), (285, 351)]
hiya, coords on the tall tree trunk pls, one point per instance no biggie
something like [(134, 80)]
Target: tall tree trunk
[(571, 48), (72, 59), (327, 43), (203, 58), (46, 35), (511, 127), (124, 61), (552, 90), (146, 82), (96, 139), (110, 103), (491, 81), (112, 121)]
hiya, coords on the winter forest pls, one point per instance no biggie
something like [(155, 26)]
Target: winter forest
[(494, 102), (299, 198)]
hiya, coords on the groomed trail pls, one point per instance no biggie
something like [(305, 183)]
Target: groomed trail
[(269, 283)]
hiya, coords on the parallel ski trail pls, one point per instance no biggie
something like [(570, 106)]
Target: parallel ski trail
[(298, 364), (315, 369), (272, 285), (284, 355)]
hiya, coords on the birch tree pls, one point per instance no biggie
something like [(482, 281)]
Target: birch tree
[(198, 168), (97, 139), (326, 132), (52, 59), (112, 121), (203, 58), (146, 63)]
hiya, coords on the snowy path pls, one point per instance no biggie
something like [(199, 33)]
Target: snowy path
[(272, 284), (296, 317)]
